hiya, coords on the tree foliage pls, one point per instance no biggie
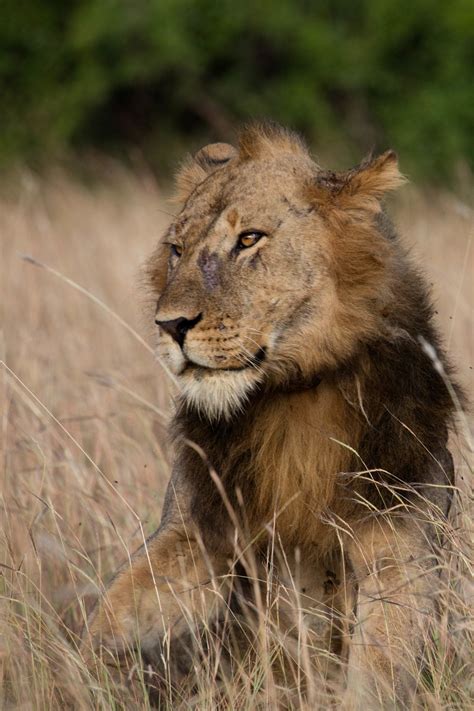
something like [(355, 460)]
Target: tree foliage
[(165, 74)]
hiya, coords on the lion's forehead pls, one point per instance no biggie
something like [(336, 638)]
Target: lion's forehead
[(241, 198), (249, 181)]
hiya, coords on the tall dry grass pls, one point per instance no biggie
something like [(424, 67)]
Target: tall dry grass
[(84, 408)]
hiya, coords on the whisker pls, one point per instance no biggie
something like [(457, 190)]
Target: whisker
[(250, 359), (258, 346), (252, 340), (256, 330), (244, 357)]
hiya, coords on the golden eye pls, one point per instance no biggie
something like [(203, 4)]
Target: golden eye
[(176, 250), (248, 239)]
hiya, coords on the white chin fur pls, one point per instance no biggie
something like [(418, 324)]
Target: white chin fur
[(218, 393)]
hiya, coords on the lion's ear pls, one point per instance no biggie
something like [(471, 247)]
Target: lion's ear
[(373, 178), (360, 188), (196, 168)]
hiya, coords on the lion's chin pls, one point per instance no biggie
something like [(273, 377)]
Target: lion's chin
[(217, 393)]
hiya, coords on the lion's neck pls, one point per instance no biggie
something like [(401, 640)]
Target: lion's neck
[(302, 444), (287, 456)]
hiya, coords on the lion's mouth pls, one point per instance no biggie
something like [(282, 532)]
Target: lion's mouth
[(251, 362)]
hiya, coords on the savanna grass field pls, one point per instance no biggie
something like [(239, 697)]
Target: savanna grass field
[(85, 458)]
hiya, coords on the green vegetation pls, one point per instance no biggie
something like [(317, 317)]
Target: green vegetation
[(165, 75)]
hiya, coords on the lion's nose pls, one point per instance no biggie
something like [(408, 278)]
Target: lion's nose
[(178, 327)]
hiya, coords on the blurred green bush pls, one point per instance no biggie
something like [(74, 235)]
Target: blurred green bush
[(165, 75)]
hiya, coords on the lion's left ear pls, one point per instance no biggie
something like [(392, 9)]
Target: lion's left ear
[(360, 188), (196, 168)]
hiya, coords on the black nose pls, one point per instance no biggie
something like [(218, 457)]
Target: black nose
[(178, 327)]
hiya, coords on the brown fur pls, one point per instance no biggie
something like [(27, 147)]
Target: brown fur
[(311, 412)]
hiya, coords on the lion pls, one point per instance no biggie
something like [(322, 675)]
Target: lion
[(313, 416)]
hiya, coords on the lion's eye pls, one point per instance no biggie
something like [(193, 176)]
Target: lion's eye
[(248, 239), (176, 250)]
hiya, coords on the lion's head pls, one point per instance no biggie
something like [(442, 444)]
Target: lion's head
[(274, 270)]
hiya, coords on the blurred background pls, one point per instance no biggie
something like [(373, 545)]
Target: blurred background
[(156, 77), (99, 101)]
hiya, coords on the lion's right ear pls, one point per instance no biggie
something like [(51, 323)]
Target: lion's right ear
[(361, 188), (196, 168)]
